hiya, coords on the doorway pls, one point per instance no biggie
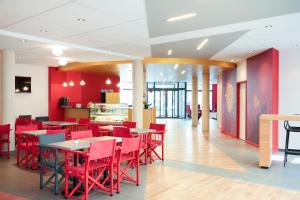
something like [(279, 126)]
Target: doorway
[(168, 98), (242, 110)]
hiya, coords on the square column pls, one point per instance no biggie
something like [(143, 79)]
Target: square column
[(138, 91), (205, 98), (195, 96)]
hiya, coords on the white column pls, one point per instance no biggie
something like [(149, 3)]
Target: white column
[(205, 98), (137, 92), (219, 100), (8, 91), (195, 96)]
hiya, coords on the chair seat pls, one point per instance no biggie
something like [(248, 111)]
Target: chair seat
[(25, 145), (156, 142), (80, 169)]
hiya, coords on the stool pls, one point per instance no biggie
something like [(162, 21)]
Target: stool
[(287, 151)]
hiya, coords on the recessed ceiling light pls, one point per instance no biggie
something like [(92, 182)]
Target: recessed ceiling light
[(23, 41), (170, 52), (295, 45), (232, 60), (176, 66), (81, 19), (183, 72), (181, 17), (161, 73), (62, 61), (268, 26), (43, 31), (202, 44), (57, 50), (251, 51)]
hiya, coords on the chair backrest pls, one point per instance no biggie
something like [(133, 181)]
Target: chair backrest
[(102, 149), (4, 131), (121, 132), (131, 145), (42, 118), (84, 121), (47, 139), (70, 120), (31, 127), (81, 134), (39, 124), (22, 121), (158, 127), (129, 124), (25, 116), (95, 130)]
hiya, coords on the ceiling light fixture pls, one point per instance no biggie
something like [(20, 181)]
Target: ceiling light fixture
[(82, 83), (170, 52), (57, 51), (202, 44), (65, 84), (81, 19), (108, 81), (176, 66), (181, 17), (71, 83), (23, 41), (62, 61), (268, 26), (183, 72), (232, 60), (43, 31)]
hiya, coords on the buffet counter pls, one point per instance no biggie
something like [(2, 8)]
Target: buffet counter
[(77, 113)]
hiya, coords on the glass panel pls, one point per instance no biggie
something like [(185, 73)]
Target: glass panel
[(170, 103), (163, 103), (157, 103), (181, 104)]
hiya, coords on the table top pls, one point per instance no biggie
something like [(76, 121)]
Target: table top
[(74, 145), (35, 132), (141, 130), (60, 123), (108, 128), (280, 117)]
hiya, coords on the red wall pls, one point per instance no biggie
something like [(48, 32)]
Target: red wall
[(214, 96), (229, 118), (77, 93), (262, 93)]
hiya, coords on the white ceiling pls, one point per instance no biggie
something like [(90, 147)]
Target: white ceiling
[(119, 28)]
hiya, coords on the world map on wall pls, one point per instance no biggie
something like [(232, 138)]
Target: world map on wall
[(229, 95)]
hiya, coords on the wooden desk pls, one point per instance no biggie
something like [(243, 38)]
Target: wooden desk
[(265, 137)]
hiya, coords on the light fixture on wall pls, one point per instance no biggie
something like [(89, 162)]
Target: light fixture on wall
[(118, 85), (65, 84), (71, 83), (57, 50), (82, 83), (108, 81)]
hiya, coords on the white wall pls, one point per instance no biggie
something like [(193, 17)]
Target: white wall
[(289, 95), (36, 102), (241, 71)]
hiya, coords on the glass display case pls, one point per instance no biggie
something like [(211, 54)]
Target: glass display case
[(108, 113)]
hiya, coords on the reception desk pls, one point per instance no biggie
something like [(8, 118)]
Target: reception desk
[(76, 113), (265, 136)]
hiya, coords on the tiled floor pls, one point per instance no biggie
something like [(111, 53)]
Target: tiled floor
[(197, 166)]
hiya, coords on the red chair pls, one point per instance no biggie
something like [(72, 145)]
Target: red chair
[(39, 124), (70, 120), (123, 132), (81, 134), (22, 121), (97, 132), (130, 156), (25, 143), (84, 123), (98, 159), (129, 124), (157, 140), (4, 139)]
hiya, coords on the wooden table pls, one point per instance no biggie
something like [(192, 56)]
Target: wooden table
[(109, 128), (60, 123), (35, 132), (73, 145), (265, 137)]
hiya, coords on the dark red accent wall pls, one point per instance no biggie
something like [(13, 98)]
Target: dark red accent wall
[(229, 117), (214, 96), (262, 93), (77, 93)]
